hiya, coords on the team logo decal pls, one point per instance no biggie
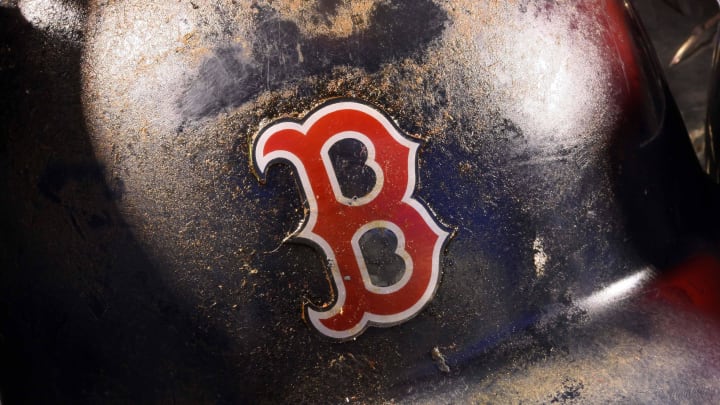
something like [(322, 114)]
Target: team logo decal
[(337, 223)]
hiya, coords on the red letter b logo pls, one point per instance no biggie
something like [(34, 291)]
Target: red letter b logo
[(336, 223)]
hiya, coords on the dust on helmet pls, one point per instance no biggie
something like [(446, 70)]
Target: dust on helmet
[(335, 201)]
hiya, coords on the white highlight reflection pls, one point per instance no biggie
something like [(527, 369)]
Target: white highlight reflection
[(545, 71), (55, 17), (615, 292)]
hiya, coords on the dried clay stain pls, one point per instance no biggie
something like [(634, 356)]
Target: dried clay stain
[(346, 18)]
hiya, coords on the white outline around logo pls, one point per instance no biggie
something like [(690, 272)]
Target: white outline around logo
[(305, 229)]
